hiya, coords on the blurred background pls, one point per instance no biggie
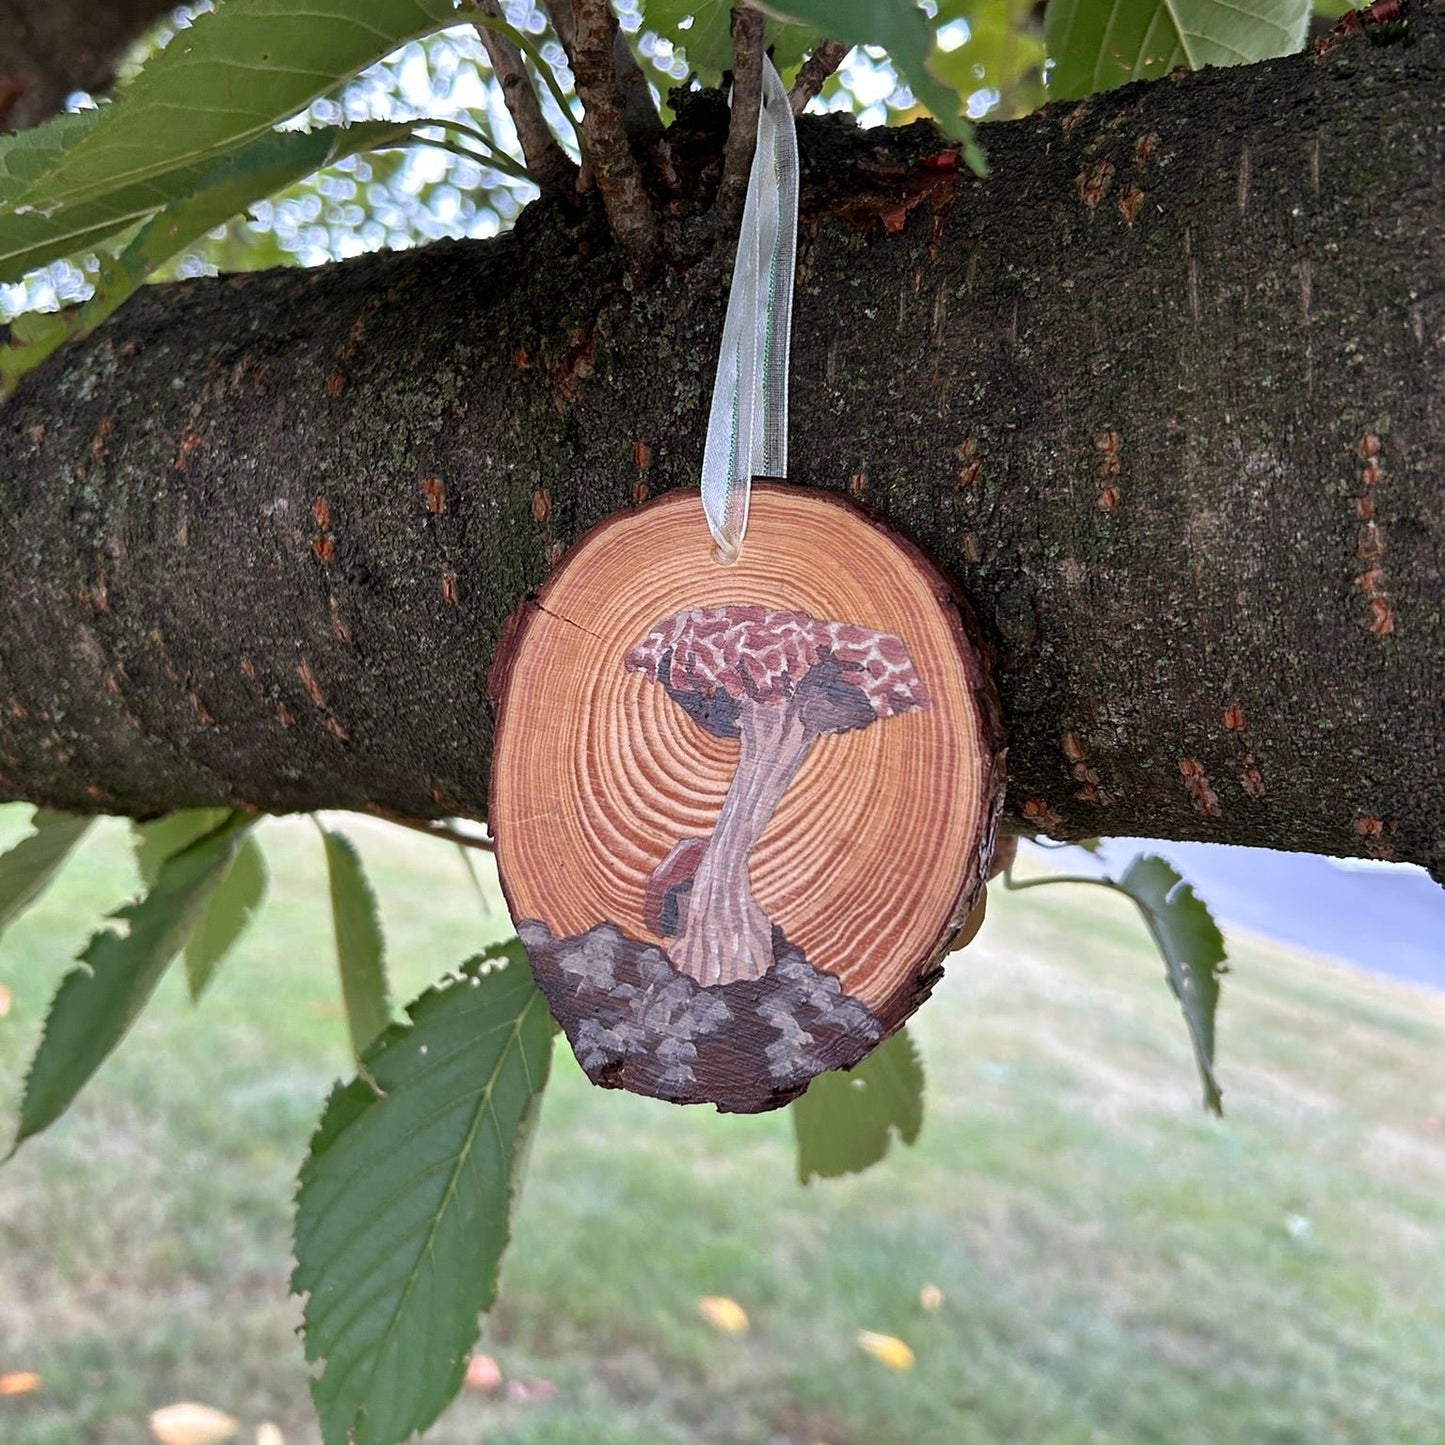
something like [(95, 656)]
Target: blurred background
[(1071, 1252)]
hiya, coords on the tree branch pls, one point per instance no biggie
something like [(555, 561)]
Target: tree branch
[(559, 12), (604, 131), (732, 191), (434, 829), (1159, 392), (639, 112), (827, 56), (548, 163)]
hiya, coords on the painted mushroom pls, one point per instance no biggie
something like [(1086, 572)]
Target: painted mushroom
[(777, 681)]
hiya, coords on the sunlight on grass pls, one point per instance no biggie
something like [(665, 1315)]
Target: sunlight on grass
[(1114, 1266)]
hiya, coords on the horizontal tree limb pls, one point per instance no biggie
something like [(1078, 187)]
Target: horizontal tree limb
[(1160, 393)]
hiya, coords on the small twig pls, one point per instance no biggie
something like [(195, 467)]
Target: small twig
[(452, 148), (604, 129), (827, 56), (434, 829), (559, 12), (471, 868), (494, 156), (747, 27), (639, 111), (546, 160), (564, 26), (539, 64), (1008, 881)]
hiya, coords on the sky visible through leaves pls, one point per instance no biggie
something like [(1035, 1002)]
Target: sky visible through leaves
[(409, 197)]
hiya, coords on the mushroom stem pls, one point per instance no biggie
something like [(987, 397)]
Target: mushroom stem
[(728, 936)]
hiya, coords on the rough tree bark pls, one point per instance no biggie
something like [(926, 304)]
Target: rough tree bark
[(1159, 393)]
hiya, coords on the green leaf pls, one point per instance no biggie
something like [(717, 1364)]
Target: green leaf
[(192, 199), (360, 948), (844, 1123), (1193, 950), (405, 1200), (225, 918), (238, 892), (29, 339), (1004, 52), (707, 43), (26, 155), (222, 188), (27, 868), (1098, 44), (162, 838), (205, 197), (99, 1001), (903, 30), (899, 26), (30, 238), (235, 73)]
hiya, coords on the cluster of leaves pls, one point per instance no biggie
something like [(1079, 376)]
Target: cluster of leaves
[(122, 191), (407, 1192)]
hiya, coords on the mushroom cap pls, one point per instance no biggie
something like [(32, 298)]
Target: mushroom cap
[(712, 659)]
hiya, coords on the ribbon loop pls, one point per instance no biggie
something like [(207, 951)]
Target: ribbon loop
[(747, 433)]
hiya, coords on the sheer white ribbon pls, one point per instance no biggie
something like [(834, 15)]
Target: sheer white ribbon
[(747, 433)]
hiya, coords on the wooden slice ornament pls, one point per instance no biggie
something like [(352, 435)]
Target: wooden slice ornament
[(741, 812)]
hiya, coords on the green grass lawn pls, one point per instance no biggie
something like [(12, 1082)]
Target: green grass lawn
[(1115, 1266)]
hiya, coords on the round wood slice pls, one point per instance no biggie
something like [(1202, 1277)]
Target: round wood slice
[(740, 812)]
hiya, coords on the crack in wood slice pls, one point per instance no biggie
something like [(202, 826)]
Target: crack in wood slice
[(626, 780)]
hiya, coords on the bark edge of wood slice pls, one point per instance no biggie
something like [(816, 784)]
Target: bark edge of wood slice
[(741, 813)]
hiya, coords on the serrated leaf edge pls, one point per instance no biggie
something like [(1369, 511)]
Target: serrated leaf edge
[(475, 967)]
